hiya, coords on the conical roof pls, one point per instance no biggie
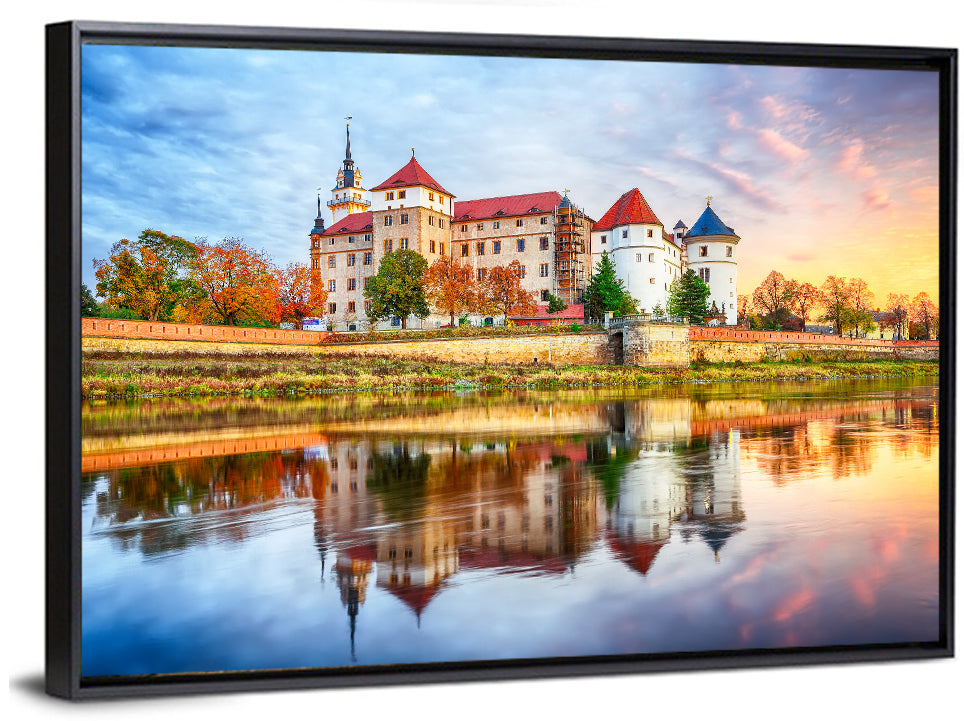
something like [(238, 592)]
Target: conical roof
[(709, 223), (630, 208)]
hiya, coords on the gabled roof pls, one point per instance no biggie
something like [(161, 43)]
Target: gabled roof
[(411, 174), (529, 204), (709, 223), (354, 223), (630, 208)]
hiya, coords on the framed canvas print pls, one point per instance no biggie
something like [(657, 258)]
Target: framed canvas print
[(398, 357)]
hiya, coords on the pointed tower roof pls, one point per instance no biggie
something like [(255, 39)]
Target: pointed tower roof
[(411, 174), (319, 221), (709, 223), (679, 224), (630, 208)]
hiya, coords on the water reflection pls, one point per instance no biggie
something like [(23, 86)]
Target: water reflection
[(508, 517)]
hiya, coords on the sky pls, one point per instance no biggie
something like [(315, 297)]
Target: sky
[(820, 171)]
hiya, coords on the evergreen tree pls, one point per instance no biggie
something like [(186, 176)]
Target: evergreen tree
[(556, 304), (397, 288), (688, 297), (606, 293), (89, 308)]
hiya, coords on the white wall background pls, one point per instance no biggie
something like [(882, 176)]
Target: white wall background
[(918, 690)]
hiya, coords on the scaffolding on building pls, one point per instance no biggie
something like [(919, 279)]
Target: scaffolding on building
[(569, 277)]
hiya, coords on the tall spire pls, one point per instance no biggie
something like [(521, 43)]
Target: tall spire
[(347, 139)]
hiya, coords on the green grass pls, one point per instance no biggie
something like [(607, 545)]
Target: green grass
[(114, 375)]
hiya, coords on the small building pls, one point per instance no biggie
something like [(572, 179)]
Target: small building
[(710, 247)]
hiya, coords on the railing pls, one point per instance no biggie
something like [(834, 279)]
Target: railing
[(340, 201)]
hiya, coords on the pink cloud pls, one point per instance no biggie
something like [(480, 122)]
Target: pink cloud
[(772, 141), (852, 162), (876, 199)]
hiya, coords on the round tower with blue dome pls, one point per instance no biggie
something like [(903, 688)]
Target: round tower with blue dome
[(711, 251)]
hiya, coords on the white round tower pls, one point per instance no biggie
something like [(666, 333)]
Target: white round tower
[(711, 252)]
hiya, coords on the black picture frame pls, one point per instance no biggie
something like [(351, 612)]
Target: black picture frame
[(63, 355)]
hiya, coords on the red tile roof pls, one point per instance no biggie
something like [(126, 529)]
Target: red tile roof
[(638, 555), (630, 208), (508, 205), (411, 174), (414, 596), (573, 312), (354, 223)]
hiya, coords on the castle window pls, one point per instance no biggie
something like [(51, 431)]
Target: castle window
[(331, 242), (544, 220), (522, 271), (401, 195), (314, 243), (465, 228), (331, 261), (431, 196), (389, 196), (332, 285), (496, 247), (520, 245), (704, 251), (544, 271), (480, 226), (351, 284), (639, 257), (480, 274), (649, 232), (729, 251), (332, 307), (388, 220), (480, 248), (403, 243), (545, 297), (367, 259), (441, 223), (518, 223), (431, 220), (365, 281), (626, 233), (314, 263), (431, 246), (441, 248), (351, 305), (602, 240), (544, 243), (351, 259), (404, 219), (351, 238), (495, 225), (465, 250), (652, 257), (705, 275), (368, 237), (368, 304), (652, 281), (388, 245)]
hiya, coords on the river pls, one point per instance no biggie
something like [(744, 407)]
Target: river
[(367, 529)]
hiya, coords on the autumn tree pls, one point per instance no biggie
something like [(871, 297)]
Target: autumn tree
[(146, 276), (898, 311), (605, 293), (299, 295), (397, 289), (805, 299), (236, 285), (501, 292), (772, 299), (450, 287), (688, 297), (835, 299), (743, 310), (923, 311)]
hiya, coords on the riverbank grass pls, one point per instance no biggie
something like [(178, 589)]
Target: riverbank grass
[(114, 375)]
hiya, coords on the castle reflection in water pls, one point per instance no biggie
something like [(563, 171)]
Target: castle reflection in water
[(528, 488)]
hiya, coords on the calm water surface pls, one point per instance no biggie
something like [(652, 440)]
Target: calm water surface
[(374, 529)]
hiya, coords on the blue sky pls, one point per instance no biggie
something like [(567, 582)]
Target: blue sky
[(819, 171)]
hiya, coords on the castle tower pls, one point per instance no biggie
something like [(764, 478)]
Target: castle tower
[(711, 254), (348, 195), (411, 211), (315, 250)]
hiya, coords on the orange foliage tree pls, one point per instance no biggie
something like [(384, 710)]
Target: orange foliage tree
[(501, 292), (144, 276), (299, 294), (450, 287), (237, 285)]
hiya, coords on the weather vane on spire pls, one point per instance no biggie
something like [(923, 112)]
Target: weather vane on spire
[(413, 152), (565, 191), (348, 117), (708, 199)]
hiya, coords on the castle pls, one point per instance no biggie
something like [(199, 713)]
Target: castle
[(556, 243)]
